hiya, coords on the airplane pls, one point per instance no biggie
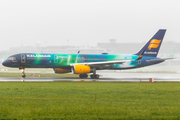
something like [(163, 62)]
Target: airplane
[(84, 64)]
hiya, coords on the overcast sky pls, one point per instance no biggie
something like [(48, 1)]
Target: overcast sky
[(83, 22)]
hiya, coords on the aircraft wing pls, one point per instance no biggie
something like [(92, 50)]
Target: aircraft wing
[(94, 64), (156, 60)]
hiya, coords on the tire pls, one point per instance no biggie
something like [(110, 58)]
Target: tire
[(97, 76), (23, 76), (92, 76), (83, 75)]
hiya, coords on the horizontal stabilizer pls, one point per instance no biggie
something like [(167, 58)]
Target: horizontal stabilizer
[(158, 60)]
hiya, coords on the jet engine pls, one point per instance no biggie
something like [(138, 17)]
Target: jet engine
[(81, 69), (59, 70)]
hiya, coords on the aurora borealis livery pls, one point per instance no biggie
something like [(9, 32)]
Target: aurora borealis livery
[(83, 64)]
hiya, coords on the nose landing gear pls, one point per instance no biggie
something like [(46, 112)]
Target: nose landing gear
[(23, 72)]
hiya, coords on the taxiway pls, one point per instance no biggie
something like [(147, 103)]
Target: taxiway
[(106, 77)]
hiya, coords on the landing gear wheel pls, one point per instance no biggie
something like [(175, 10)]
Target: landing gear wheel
[(23, 76), (96, 76), (92, 76), (83, 75)]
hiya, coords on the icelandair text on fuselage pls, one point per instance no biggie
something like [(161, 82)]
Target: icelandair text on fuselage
[(38, 55), (150, 52)]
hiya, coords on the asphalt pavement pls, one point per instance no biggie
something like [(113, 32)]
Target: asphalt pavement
[(104, 77)]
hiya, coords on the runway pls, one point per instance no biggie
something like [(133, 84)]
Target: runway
[(104, 77)]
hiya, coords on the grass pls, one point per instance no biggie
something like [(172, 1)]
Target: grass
[(76, 100)]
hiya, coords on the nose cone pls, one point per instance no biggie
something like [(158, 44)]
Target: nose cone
[(6, 63)]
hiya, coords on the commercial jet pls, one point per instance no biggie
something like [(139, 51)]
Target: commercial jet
[(84, 64)]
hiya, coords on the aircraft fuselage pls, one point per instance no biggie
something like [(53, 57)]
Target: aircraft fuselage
[(47, 60)]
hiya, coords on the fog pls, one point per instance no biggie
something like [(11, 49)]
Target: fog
[(82, 22)]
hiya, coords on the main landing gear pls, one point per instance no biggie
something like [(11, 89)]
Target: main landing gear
[(83, 75), (93, 76), (23, 72), (96, 76)]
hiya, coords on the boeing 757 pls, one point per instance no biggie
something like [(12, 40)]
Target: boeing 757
[(84, 64)]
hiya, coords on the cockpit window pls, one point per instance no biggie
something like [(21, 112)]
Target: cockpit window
[(12, 58)]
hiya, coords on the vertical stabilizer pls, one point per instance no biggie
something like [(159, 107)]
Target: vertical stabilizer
[(153, 45)]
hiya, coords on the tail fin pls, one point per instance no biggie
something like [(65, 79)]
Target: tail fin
[(152, 46)]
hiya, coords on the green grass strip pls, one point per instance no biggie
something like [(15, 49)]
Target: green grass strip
[(76, 100)]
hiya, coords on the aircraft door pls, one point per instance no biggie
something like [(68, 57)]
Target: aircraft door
[(56, 59), (23, 58)]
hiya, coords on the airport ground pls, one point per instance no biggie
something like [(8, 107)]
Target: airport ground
[(113, 96), (89, 100)]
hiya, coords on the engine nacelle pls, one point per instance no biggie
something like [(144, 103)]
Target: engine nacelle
[(59, 70), (81, 69)]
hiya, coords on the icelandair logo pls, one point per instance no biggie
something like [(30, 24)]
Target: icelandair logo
[(150, 52), (38, 55), (154, 44)]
